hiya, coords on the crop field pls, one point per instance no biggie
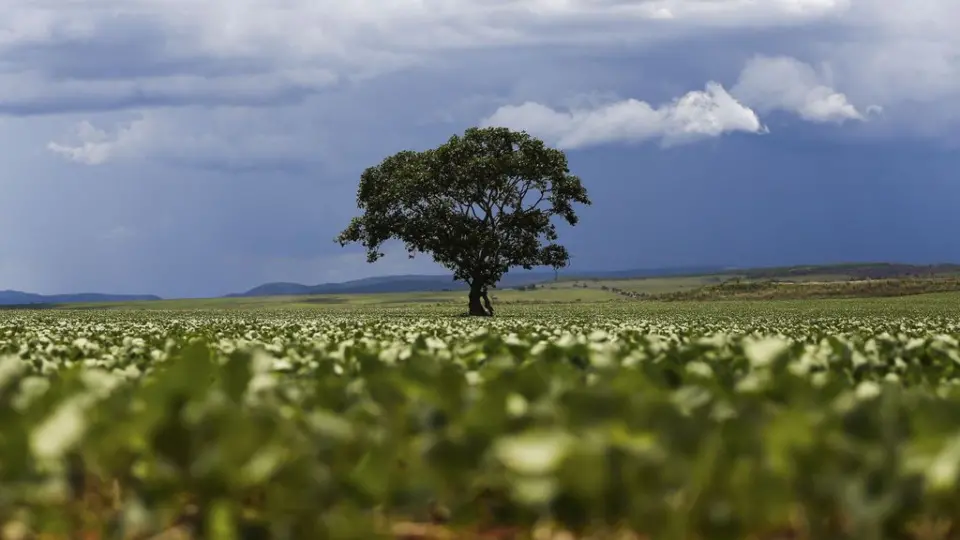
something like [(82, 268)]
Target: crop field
[(763, 420)]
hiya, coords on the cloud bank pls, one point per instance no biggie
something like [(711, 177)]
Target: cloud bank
[(766, 84), (696, 115), (231, 56)]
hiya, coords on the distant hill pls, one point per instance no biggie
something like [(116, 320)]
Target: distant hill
[(388, 284), (434, 283), (16, 298)]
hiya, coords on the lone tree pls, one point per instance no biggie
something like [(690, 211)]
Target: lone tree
[(480, 204)]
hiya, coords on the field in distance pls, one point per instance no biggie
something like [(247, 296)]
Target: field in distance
[(787, 283)]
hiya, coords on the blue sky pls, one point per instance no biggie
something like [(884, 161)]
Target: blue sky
[(190, 148)]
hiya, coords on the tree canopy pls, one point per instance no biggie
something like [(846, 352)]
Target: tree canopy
[(480, 204)]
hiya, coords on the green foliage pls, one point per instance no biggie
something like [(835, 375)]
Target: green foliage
[(722, 424), (479, 204)]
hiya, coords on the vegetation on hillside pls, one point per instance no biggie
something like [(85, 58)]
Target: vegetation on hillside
[(773, 290), (854, 271)]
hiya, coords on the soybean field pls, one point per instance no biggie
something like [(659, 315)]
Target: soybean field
[(766, 420)]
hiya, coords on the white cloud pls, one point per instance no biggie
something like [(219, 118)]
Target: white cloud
[(229, 137), (697, 115), (901, 56), (786, 84), (95, 146), (765, 84)]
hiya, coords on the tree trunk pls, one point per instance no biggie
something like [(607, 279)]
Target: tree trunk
[(478, 293), (486, 301)]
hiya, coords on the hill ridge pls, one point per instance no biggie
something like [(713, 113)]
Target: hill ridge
[(11, 297)]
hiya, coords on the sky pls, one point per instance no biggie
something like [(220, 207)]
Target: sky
[(196, 148)]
